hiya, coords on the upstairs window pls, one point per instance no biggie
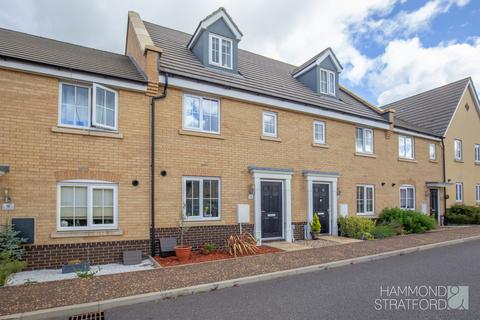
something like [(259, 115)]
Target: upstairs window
[(405, 147), (477, 193), (477, 153), (432, 151), (458, 149), (220, 51), (201, 114), (364, 140), (270, 124), (327, 82), (319, 132), (88, 107)]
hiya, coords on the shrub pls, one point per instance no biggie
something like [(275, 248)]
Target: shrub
[(384, 231), (356, 227), (241, 244), (207, 248), (411, 221), (315, 225), (11, 242), (462, 214), (8, 265)]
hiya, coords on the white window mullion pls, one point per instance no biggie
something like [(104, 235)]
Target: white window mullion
[(200, 195)]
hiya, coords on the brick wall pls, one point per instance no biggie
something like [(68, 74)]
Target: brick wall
[(55, 255)]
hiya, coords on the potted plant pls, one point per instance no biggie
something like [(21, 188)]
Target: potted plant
[(315, 227), (182, 251)]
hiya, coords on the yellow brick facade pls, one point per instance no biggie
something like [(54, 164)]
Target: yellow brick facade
[(39, 156), (464, 126), (183, 153)]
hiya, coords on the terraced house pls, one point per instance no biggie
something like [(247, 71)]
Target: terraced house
[(238, 141)]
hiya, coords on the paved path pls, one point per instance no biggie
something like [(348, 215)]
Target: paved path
[(76, 291), (342, 293)]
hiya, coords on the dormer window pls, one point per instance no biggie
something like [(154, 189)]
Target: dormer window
[(220, 51), (327, 82)]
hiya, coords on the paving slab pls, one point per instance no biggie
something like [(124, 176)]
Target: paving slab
[(25, 298)]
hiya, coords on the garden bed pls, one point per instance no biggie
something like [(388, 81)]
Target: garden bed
[(198, 257)]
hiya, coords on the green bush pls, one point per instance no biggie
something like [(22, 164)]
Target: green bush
[(11, 242), (356, 227), (411, 221), (8, 265), (462, 214), (315, 225), (384, 231)]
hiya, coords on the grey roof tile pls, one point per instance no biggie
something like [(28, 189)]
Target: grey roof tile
[(432, 109), (26, 47), (257, 74)]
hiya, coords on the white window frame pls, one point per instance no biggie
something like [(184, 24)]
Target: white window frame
[(458, 142), (476, 152), (406, 187), (200, 115), (329, 73), (315, 140), (365, 187), (432, 146), (220, 58), (92, 125), (477, 192), (459, 195), (90, 185), (364, 133), (405, 137), (184, 196), (94, 106), (269, 134)]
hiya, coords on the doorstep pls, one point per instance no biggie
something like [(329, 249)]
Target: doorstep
[(286, 246)]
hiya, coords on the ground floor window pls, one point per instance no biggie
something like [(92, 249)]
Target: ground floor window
[(407, 197), (477, 192), (365, 199), (201, 197), (459, 192), (87, 205)]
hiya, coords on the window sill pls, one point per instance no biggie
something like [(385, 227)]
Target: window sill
[(433, 161), (86, 233), (459, 161), (366, 215), (407, 160), (203, 222), (367, 155), (200, 134), (477, 163), (320, 145), (87, 132), (276, 139)]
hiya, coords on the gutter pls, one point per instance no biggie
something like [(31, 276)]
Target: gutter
[(444, 172), (152, 166)]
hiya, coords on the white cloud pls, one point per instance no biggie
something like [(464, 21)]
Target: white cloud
[(407, 67)]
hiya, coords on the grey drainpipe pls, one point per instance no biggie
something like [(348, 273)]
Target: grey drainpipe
[(444, 180), (152, 167)]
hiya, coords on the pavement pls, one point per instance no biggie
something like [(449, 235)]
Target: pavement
[(109, 291), (347, 292)]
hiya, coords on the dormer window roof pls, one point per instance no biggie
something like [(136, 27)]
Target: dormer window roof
[(320, 73), (215, 42)]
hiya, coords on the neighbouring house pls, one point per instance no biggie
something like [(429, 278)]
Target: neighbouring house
[(235, 134), (452, 113)]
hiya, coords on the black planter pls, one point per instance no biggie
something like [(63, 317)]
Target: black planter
[(315, 235), (79, 267)]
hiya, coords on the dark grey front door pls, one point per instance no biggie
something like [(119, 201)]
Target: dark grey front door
[(271, 209), (434, 203), (321, 204)]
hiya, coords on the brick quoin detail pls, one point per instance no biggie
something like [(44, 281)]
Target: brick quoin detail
[(55, 255)]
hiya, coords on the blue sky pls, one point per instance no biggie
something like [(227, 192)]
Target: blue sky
[(390, 49)]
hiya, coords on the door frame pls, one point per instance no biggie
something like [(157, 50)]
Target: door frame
[(283, 208), (265, 174), (330, 178)]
